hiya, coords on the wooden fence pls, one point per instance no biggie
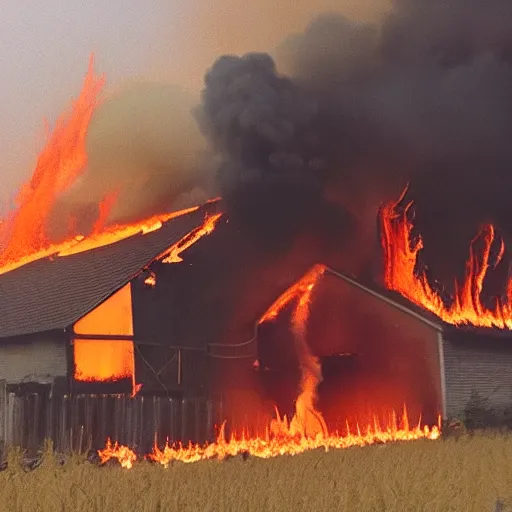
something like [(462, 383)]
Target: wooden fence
[(83, 422)]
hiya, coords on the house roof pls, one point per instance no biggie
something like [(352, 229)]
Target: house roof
[(394, 299), (51, 294), (455, 332)]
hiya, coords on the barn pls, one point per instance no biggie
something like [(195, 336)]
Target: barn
[(116, 320)]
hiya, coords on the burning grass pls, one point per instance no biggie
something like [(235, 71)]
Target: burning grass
[(471, 473)]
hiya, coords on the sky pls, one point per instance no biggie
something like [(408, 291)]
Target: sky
[(45, 47)]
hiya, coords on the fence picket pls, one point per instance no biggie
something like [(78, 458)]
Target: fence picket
[(84, 422)]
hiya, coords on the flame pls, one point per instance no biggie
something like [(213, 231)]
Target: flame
[(307, 430), (284, 441), (106, 360), (63, 160), (123, 454), (105, 208), (80, 243), (119, 232), (60, 163), (402, 254), (150, 280), (303, 285), (103, 360), (173, 255), (307, 421)]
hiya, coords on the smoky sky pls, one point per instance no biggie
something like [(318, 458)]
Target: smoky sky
[(354, 110), (45, 48)]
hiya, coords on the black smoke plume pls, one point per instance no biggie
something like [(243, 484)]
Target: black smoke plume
[(353, 111), (265, 129)]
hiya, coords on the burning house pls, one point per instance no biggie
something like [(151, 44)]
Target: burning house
[(70, 321), (280, 311), (117, 319)]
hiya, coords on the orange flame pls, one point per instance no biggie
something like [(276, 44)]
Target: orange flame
[(105, 208), (123, 454), (283, 441), (173, 255), (307, 421), (60, 163), (305, 284), (307, 430), (108, 236), (401, 255), (150, 280)]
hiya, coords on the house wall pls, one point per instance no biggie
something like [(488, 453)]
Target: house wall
[(36, 359), (482, 365), (396, 358)]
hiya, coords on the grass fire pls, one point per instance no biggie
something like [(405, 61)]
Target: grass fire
[(310, 258)]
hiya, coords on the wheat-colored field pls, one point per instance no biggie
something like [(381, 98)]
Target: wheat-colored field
[(469, 474)]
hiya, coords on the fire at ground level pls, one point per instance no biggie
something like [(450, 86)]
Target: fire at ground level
[(281, 439)]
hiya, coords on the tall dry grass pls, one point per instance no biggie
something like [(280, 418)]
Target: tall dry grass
[(469, 474)]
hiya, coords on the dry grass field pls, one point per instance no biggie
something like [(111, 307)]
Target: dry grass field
[(469, 474)]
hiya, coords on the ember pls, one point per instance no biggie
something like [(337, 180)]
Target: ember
[(402, 253), (150, 280)]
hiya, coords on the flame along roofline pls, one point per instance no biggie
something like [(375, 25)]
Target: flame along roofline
[(384, 295), (398, 301), (45, 295)]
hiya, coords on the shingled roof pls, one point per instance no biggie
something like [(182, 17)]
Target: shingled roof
[(51, 294)]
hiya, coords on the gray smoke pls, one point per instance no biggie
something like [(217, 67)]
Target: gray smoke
[(143, 145), (358, 109)]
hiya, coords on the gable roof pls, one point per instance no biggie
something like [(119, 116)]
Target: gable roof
[(51, 294), (400, 302), (394, 299)]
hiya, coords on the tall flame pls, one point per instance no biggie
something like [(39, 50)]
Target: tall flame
[(60, 163), (402, 255), (63, 160), (307, 421)]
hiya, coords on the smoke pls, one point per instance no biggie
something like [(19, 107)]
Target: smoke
[(144, 147), (263, 127), (354, 110)]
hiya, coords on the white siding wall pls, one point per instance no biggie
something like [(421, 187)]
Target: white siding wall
[(38, 360), (483, 367)]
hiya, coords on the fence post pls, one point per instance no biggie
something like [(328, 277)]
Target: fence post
[(32, 421), (10, 419), (184, 422), (210, 427), (64, 433), (3, 420)]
